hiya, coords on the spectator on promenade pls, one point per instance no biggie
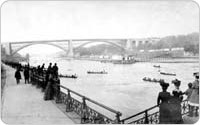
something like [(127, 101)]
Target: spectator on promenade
[(175, 103), (194, 98), (18, 75), (38, 69), (163, 102), (48, 94), (47, 74), (188, 92), (26, 75), (49, 69), (28, 65), (42, 68), (55, 70)]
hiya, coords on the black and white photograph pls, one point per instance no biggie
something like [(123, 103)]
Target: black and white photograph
[(99, 62)]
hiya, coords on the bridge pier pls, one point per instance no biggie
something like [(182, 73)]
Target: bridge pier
[(129, 45), (8, 49), (70, 48)]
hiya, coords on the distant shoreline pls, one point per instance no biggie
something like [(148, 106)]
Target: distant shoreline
[(176, 60), (155, 60)]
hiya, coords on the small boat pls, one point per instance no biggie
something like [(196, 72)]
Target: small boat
[(69, 76), (156, 66), (124, 62), (152, 80), (171, 74), (100, 72)]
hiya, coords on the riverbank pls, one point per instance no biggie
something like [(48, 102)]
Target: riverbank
[(154, 60), (24, 104), (176, 60)]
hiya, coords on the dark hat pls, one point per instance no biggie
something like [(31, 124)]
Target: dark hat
[(196, 74), (190, 85), (163, 84), (176, 82)]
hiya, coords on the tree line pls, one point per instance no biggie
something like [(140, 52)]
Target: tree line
[(189, 42)]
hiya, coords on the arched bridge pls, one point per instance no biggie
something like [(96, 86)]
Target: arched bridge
[(69, 45)]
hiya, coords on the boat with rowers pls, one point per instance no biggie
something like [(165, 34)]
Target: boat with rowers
[(164, 73), (95, 72), (156, 66), (69, 76), (152, 80)]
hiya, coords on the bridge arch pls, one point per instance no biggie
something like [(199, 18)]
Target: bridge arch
[(111, 43), (22, 47)]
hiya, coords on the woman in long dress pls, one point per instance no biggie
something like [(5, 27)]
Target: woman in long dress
[(175, 103), (48, 94), (194, 98), (163, 102)]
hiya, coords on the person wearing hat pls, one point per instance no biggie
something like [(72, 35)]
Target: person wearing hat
[(194, 98), (163, 102), (188, 92), (175, 103)]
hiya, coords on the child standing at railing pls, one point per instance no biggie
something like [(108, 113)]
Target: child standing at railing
[(194, 98), (188, 92)]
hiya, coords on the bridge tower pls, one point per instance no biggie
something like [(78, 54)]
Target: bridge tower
[(71, 50)]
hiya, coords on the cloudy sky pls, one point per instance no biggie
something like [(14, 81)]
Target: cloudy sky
[(36, 20), (48, 20)]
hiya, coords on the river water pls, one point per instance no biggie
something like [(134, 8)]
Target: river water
[(122, 88)]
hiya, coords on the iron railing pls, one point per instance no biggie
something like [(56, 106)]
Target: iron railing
[(151, 115), (90, 115), (87, 114)]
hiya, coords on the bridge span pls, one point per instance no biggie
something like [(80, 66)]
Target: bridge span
[(70, 45)]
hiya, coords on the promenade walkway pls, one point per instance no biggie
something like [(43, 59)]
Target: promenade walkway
[(24, 104)]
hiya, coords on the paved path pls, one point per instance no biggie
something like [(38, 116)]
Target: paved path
[(24, 104)]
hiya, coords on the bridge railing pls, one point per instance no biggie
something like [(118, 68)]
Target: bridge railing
[(81, 107), (150, 115)]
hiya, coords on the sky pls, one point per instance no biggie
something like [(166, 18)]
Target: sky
[(49, 20)]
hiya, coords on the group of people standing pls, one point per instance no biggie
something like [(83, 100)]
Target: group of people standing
[(39, 69), (26, 72), (170, 104), (49, 74)]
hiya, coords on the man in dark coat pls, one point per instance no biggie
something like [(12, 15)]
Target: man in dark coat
[(26, 75), (55, 70), (18, 75)]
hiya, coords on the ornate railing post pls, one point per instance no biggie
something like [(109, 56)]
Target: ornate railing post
[(84, 111), (146, 121), (69, 102), (118, 118)]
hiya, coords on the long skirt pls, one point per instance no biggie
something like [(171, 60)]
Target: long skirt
[(164, 117), (48, 94), (176, 116), (194, 98)]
